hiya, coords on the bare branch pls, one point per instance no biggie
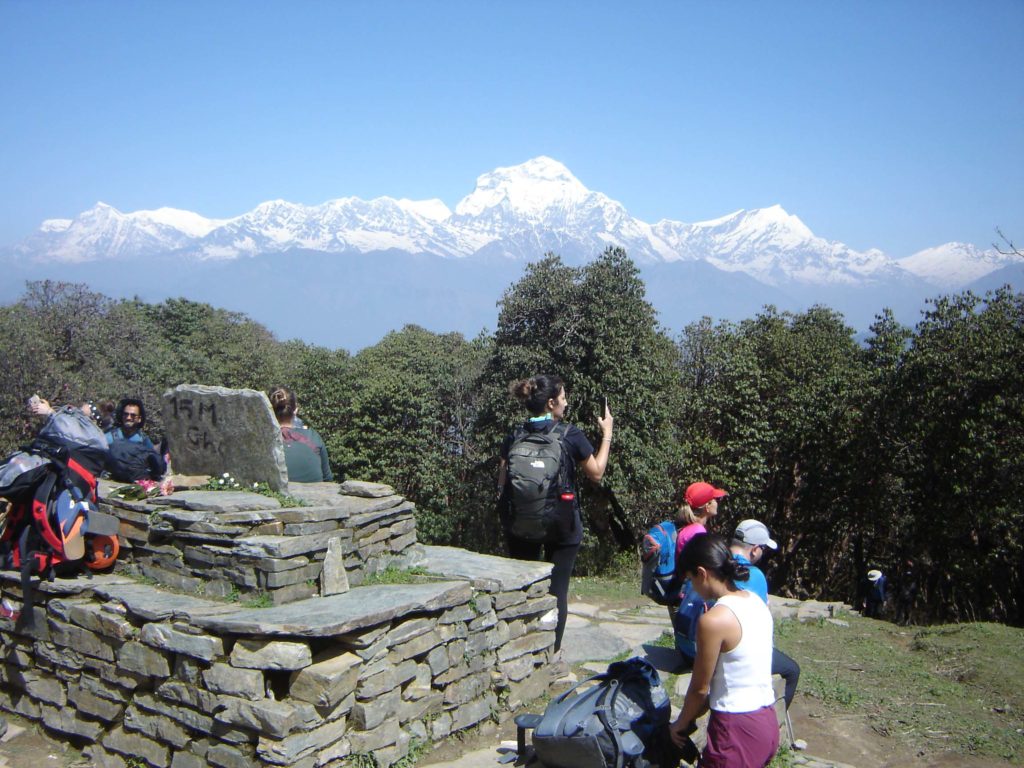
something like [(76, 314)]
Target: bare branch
[(1014, 250)]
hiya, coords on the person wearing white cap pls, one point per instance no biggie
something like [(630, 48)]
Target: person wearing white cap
[(874, 603), (749, 541)]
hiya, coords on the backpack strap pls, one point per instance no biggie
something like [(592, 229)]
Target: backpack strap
[(601, 677), (559, 431), (605, 712), (86, 475), (292, 435), (41, 513)]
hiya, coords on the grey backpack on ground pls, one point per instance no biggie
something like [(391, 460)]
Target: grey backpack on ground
[(618, 719)]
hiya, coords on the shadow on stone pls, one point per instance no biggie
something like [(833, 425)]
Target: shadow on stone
[(665, 660)]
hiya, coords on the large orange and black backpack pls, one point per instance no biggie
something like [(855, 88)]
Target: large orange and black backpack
[(50, 489)]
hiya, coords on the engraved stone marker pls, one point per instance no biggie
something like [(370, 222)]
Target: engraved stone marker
[(213, 430)]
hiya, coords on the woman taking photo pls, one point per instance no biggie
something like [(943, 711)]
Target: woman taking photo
[(732, 674), (544, 397)]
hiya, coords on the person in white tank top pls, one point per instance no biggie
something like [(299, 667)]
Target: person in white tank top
[(732, 670)]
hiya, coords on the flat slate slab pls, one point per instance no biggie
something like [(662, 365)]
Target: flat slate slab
[(216, 501), (591, 643), (154, 604), (347, 613), (64, 586), (368, 490), (487, 572), (635, 634), (343, 614)]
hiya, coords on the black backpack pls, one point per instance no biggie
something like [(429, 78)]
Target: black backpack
[(541, 499), (619, 721)]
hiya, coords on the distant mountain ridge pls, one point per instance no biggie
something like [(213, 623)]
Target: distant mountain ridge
[(516, 213)]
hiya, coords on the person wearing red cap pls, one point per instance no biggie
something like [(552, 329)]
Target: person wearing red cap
[(699, 506)]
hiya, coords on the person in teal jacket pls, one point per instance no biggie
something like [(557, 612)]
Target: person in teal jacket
[(305, 454)]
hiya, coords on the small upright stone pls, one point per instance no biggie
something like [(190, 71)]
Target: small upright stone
[(334, 578)]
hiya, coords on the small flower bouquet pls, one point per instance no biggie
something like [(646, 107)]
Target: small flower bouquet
[(225, 482), (143, 489)]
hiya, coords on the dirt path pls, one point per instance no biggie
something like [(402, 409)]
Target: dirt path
[(851, 739)]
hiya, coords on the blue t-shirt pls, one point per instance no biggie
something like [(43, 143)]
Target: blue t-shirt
[(757, 583)]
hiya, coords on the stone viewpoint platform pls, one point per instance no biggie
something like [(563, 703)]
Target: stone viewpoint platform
[(236, 631)]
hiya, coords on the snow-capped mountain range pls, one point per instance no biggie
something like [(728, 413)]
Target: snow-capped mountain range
[(516, 213)]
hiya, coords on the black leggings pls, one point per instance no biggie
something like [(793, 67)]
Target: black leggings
[(563, 557), (790, 672)]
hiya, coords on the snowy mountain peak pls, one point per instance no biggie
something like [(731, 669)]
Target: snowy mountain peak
[(515, 212), (528, 189), (191, 224), (773, 219), (433, 209), (959, 263), (777, 216)]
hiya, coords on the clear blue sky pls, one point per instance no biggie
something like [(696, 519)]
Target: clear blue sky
[(897, 125)]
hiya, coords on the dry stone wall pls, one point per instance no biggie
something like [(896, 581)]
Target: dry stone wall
[(225, 543), (168, 660), (131, 670)]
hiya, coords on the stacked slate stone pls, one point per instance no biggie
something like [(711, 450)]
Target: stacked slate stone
[(222, 543), (133, 671)]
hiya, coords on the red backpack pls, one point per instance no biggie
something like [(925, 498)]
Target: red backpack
[(51, 490)]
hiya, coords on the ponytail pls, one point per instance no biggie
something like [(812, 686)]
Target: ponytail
[(710, 552)]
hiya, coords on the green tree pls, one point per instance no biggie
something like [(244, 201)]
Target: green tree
[(962, 407), (725, 426), (592, 326), (406, 420), (877, 488), (808, 375)]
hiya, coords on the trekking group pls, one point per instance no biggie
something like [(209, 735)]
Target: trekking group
[(49, 520), (716, 595)]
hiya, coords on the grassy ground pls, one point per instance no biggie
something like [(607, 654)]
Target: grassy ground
[(956, 688)]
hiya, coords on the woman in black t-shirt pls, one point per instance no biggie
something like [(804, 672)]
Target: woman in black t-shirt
[(544, 397)]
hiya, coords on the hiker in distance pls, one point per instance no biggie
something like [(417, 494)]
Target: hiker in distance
[(732, 674), (538, 503)]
